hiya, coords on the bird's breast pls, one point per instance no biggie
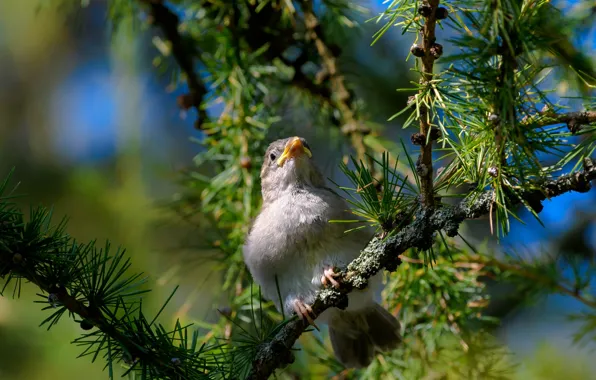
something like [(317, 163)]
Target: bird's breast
[(297, 224)]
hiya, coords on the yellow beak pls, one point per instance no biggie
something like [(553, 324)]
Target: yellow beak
[(294, 148)]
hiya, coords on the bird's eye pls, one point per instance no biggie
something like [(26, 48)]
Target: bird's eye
[(272, 156)]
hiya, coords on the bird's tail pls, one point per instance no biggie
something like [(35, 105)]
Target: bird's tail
[(356, 335)]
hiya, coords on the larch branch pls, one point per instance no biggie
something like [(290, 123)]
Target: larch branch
[(168, 22), (340, 95), (574, 120), (424, 166)]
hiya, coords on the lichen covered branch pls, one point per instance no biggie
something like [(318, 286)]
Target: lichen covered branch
[(385, 253)]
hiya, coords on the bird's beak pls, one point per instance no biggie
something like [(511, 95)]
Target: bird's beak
[(294, 148)]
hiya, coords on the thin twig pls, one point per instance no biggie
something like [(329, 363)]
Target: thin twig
[(92, 315), (523, 272), (340, 95), (503, 113), (574, 120), (424, 165), (168, 21), (382, 254)]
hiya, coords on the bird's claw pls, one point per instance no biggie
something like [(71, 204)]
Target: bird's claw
[(305, 312), (328, 277)]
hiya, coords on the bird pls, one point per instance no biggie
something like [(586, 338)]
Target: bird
[(292, 251)]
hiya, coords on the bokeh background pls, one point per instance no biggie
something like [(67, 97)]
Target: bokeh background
[(95, 131)]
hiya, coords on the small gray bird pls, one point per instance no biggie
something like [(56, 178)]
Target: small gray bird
[(292, 250)]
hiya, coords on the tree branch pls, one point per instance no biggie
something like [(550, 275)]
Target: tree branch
[(168, 22), (505, 93), (385, 254), (92, 317), (536, 277), (49, 260), (430, 52), (340, 95), (574, 120), (329, 84)]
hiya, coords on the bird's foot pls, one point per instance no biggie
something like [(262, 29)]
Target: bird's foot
[(328, 277), (305, 312)]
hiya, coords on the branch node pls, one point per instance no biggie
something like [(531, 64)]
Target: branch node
[(494, 118), (85, 325), (53, 300), (418, 138), (441, 13), (583, 184), (535, 204), (425, 10), (588, 164), (451, 228), (574, 125), (185, 101), (436, 50), (417, 51), (17, 258), (421, 168), (493, 171)]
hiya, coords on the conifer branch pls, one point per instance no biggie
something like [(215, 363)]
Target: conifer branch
[(93, 287), (574, 120), (430, 52), (530, 275), (503, 112), (92, 317), (329, 85), (385, 254), (341, 97), (258, 33), (182, 50)]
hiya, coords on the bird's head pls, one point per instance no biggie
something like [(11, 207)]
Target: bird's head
[(288, 164)]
